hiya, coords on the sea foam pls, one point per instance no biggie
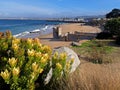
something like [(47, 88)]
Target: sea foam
[(35, 33)]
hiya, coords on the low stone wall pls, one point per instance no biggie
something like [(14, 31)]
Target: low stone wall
[(76, 36), (73, 37)]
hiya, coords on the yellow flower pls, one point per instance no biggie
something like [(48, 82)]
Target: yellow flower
[(35, 67), (41, 70), (12, 62), (5, 75), (31, 52), (46, 48), (16, 71), (15, 41), (38, 54), (33, 75), (46, 56), (43, 60), (15, 46), (63, 55), (55, 56), (59, 66), (37, 41), (40, 45), (72, 61), (29, 41), (67, 66)]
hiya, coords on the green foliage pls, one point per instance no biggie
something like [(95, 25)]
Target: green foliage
[(22, 61), (113, 26), (59, 65), (104, 35)]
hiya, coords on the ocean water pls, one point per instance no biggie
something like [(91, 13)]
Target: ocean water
[(27, 28)]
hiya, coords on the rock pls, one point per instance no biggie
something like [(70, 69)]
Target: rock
[(75, 44), (70, 54), (49, 76)]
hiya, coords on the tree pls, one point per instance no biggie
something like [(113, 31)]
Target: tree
[(115, 13), (113, 26)]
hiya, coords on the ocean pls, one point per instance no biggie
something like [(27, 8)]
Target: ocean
[(27, 28)]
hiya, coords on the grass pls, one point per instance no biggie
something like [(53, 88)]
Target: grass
[(94, 43), (95, 51), (90, 76), (86, 46)]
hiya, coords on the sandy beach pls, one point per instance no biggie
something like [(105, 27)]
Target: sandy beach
[(53, 43)]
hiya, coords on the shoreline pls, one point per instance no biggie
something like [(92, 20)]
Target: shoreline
[(35, 33)]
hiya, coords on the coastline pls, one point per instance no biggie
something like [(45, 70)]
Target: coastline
[(72, 27), (35, 33)]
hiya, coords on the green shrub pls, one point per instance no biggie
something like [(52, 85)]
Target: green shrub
[(24, 60), (104, 35), (113, 26)]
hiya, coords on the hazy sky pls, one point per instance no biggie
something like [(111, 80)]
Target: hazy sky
[(55, 8)]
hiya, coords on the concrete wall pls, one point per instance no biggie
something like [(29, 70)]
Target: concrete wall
[(57, 32)]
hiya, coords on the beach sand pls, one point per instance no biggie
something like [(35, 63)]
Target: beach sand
[(53, 43)]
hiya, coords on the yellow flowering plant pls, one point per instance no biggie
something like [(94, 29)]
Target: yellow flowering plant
[(60, 66), (23, 61)]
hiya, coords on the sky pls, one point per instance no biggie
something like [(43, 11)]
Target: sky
[(56, 8)]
